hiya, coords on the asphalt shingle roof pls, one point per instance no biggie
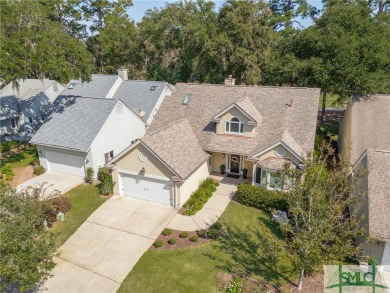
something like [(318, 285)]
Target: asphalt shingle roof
[(98, 87), (271, 105), (370, 124), (77, 126), (178, 147), (138, 96), (370, 132)]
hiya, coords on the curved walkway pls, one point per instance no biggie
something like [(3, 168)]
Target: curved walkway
[(210, 212)]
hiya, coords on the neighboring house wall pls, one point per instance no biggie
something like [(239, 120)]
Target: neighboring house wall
[(344, 141), (132, 164), (120, 129), (166, 92), (114, 88), (234, 112), (192, 183)]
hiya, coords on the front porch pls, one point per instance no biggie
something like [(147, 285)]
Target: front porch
[(228, 180)]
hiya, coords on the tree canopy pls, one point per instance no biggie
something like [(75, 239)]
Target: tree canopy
[(26, 247), (258, 42)]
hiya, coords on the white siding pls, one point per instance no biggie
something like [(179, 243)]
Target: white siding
[(114, 88), (192, 183), (115, 135), (166, 92)]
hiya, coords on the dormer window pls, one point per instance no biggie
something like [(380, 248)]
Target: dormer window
[(234, 126)]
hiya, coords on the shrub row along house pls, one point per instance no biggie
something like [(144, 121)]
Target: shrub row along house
[(23, 108), (201, 127), (365, 137), (94, 121)]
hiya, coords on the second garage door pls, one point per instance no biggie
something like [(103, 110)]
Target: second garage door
[(145, 188), (65, 162)]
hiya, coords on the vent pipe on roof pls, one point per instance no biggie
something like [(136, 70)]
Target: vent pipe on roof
[(123, 73), (230, 80)]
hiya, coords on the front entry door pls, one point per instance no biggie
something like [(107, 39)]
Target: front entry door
[(235, 163)]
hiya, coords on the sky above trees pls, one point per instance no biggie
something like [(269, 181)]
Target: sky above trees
[(137, 11)]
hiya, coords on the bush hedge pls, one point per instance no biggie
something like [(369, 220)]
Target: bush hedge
[(172, 241), (55, 205), (202, 233), (39, 170), (194, 238), (200, 196), (261, 198), (184, 235), (166, 232), (213, 234), (158, 243)]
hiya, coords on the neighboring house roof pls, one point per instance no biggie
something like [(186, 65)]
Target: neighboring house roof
[(379, 193), (271, 105), (177, 146), (370, 124), (76, 127), (27, 88), (8, 113), (98, 87), (140, 96), (370, 140)]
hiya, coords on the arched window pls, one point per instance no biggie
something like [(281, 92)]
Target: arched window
[(234, 126)]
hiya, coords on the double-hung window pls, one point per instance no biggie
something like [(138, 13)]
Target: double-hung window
[(108, 156), (234, 125)]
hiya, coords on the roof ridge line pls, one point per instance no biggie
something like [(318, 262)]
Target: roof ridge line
[(165, 127)]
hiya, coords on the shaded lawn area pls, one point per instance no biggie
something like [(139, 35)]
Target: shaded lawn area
[(20, 159), (85, 199), (243, 250), (331, 102)]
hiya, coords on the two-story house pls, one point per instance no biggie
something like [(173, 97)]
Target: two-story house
[(201, 127)]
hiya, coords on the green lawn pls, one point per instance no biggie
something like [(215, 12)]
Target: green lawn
[(20, 159), (85, 199), (331, 102), (243, 250)]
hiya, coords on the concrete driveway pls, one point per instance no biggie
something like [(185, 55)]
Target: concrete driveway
[(100, 254), (53, 181)]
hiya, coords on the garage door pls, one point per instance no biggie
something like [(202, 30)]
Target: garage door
[(66, 163), (145, 188)]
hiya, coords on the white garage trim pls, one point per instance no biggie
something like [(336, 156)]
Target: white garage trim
[(386, 257), (145, 188), (65, 162), (161, 178)]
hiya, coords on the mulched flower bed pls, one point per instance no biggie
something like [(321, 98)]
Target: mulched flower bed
[(180, 242)]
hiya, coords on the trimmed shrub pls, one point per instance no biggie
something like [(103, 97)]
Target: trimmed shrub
[(89, 176), (107, 184), (55, 205), (172, 241), (216, 226), (158, 243), (39, 170), (261, 198), (213, 234), (194, 238), (6, 173), (202, 233), (183, 235), (200, 196), (166, 232)]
